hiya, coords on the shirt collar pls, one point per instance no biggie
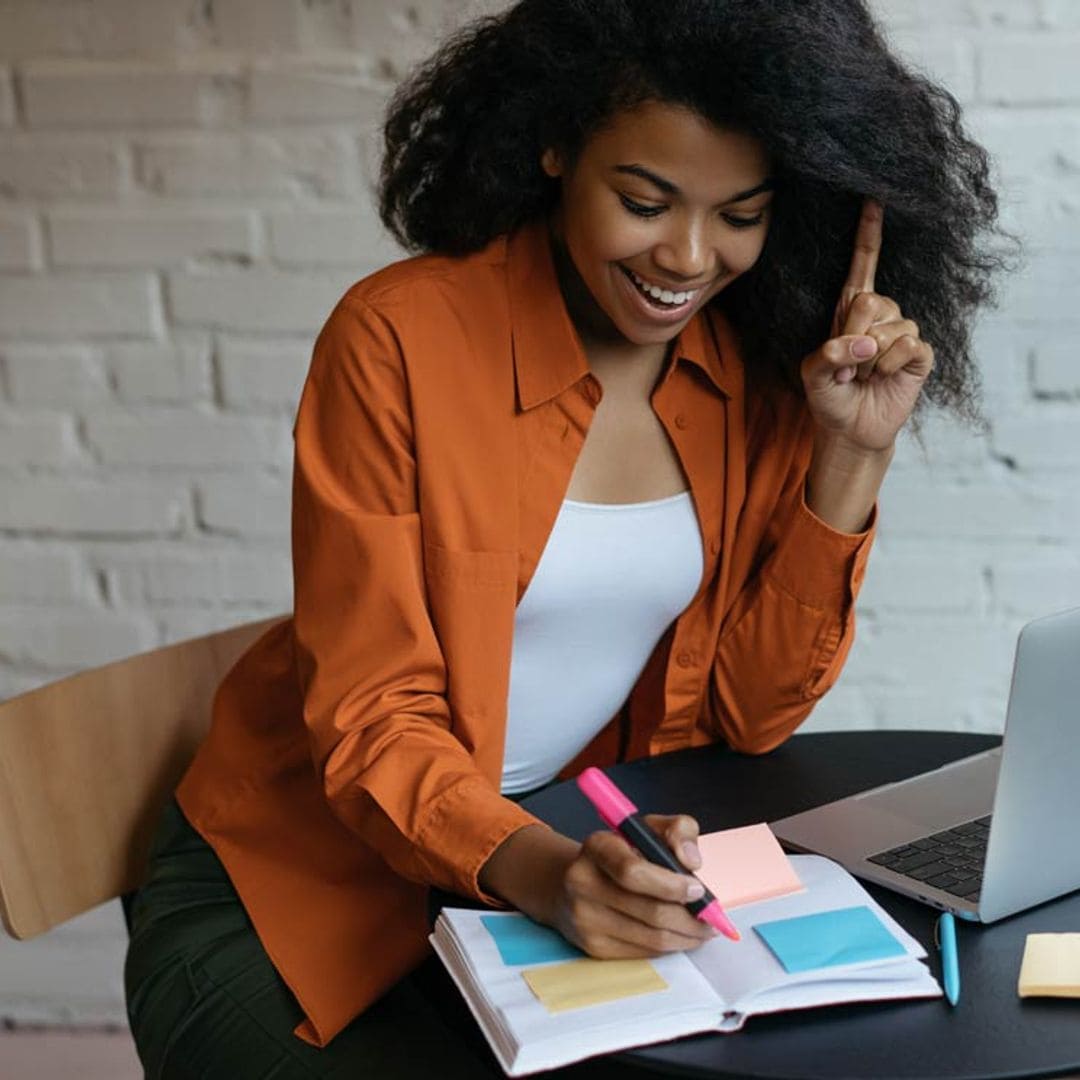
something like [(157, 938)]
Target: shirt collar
[(548, 356), (708, 342)]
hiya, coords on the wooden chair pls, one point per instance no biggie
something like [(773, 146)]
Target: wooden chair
[(86, 763)]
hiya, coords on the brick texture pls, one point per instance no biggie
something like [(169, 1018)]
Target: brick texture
[(161, 373), (1056, 371), (7, 99), (72, 306), (1028, 69), (185, 190), (335, 88), (20, 247), (54, 376), (113, 93), (34, 166), (296, 164), (153, 238), (43, 575), (257, 375), (77, 506), (258, 301)]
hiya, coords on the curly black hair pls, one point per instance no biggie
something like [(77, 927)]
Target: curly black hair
[(839, 115)]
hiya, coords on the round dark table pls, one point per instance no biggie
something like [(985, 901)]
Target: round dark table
[(991, 1034)]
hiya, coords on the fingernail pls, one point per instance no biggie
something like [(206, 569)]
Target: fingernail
[(695, 890), (691, 855), (863, 348), (845, 374)]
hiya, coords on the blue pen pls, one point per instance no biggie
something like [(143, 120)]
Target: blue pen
[(945, 932)]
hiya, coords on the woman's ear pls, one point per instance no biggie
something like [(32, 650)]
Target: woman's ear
[(551, 162)]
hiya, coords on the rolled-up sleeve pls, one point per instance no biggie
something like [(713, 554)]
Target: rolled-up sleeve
[(372, 673)]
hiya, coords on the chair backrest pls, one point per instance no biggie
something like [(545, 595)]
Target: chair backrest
[(86, 763)]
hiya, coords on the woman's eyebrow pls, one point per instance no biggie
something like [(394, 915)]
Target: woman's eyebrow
[(668, 188)]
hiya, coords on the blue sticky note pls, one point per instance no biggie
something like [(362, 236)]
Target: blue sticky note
[(521, 941), (844, 936)]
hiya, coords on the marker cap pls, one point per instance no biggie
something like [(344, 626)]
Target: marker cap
[(611, 804)]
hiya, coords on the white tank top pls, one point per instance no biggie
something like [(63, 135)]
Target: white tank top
[(611, 580)]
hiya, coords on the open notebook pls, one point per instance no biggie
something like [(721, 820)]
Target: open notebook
[(541, 1004)]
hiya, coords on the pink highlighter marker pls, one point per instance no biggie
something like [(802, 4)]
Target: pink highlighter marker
[(620, 814)]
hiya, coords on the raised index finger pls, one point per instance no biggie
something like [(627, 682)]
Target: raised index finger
[(864, 259)]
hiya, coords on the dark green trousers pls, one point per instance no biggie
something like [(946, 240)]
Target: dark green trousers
[(205, 1003)]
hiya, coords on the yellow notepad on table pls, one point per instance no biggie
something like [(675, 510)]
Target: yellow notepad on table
[(1051, 966)]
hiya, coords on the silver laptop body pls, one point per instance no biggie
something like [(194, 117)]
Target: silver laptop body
[(1030, 786)]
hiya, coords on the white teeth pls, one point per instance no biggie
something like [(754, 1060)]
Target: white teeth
[(665, 296)]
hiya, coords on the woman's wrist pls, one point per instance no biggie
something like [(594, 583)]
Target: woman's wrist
[(527, 868), (843, 481)]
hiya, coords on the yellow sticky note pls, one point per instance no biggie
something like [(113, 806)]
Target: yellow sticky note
[(1051, 966), (578, 983), (743, 865)]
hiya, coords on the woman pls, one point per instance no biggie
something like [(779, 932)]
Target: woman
[(592, 478)]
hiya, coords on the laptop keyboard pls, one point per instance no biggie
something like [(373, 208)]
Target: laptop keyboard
[(951, 860)]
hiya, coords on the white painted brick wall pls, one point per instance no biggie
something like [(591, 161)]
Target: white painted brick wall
[(1027, 69), (173, 438), (247, 164), (184, 193), (328, 237), (162, 373), (56, 640), (257, 300), (30, 439), (1056, 370), (20, 246), (145, 93), (253, 505), (158, 237), (7, 99), (35, 167), (109, 505), (258, 375), (66, 306), (331, 87), (42, 573)]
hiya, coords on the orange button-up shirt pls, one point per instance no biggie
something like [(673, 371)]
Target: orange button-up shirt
[(355, 752)]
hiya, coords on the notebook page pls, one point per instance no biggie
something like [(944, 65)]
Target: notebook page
[(862, 986), (739, 970), (531, 1037)]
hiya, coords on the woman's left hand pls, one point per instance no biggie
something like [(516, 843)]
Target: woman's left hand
[(862, 384)]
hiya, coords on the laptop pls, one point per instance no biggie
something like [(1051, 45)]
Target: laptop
[(989, 835)]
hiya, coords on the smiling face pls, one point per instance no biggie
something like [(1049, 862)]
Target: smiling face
[(659, 212)]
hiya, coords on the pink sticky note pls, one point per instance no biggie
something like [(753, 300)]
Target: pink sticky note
[(743, 865)]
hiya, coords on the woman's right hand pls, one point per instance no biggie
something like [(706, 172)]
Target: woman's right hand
[(602, 895)]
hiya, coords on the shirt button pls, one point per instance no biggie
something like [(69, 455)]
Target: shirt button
[(681, 422), (685, 659)]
